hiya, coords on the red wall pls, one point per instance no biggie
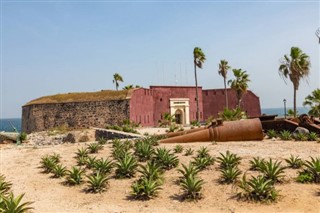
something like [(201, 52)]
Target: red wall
[(147, 105), (214, 102)]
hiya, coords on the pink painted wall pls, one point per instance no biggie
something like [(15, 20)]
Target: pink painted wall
[(214, 102)]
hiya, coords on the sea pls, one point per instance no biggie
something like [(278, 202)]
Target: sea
[(8, 124)]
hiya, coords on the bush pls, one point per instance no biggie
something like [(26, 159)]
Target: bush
[(145, 188), (192, 187), (312, 171), (178, 148), (11, 204), (232, 114), (228, 160), (229, 174), (294, 162), (313, 136), (97, 182), (285, 135), (272, 170), (23, 136), (271, 133), (256, 164)]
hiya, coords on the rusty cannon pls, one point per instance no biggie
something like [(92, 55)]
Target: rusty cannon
[(243, 130)]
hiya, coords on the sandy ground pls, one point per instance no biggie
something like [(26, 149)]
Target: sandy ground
[(20, 165)]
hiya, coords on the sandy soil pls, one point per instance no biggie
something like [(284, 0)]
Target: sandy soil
[(20, 165)]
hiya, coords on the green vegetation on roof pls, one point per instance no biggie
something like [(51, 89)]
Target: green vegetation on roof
[(103, 95)]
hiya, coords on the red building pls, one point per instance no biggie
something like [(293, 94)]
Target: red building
[(148, 105)]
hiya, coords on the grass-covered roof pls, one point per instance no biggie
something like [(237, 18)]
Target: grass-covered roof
[(103, 95)]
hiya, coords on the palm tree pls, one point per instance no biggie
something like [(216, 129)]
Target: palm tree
[(240, 84), (198, 60), (116, 79), (296, 68), (313, 101), (223, 70)]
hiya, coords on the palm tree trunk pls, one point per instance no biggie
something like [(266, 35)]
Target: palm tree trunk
[(226, 92), (294, 102), (197, 99)]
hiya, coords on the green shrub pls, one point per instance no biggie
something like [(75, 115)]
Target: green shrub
[(312, 170), (313, 136), (202, 152), (294, 162), (229, 174), (188, 152), (273, 170), (75, 176), (192, 187), (232, 114), (190, 170), (126, 166), (94, 148), (23, 136), (285, 135), (143, 150), (150, 171), (145, 188), (300, 136), (203, 162), (271, 133), (178, 148), (103, 166), (97, 182), (256, 164), (102, 141), (11, 204), (165, 159), (228, 160), (59, 171), (5, 186)]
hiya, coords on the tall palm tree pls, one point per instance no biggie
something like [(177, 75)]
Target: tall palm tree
[(116, 79), (198, 60), (313, 101), (295, 67), (223, 70), (240, 83)]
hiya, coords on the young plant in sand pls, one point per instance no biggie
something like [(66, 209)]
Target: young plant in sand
[(294, 162), (299, 136), (229, 174), (165, 159), (75, 176), (90, 162), (178, 148), (190, 170), (59, 171), (82, 160), (271, 133), (257, 189), (126, 167), (203, 152), (83, 152), (143, 150), (313, 136), (151, 171), (192, 186), (97, 182), (145, 189), (5, 186), (256, 164), (102, 141), (188, 152), (103, 166), (11, 204), (228, 160), (94, 148), (48, 163), (203, 162), (285, 135), (312, 171), (273, 170)]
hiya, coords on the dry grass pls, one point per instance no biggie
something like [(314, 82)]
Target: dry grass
[(103, 95)]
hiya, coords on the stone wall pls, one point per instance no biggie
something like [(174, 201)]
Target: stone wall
[(75, 115)]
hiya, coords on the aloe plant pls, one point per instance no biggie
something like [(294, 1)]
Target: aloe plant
[(188, 152), (83, 152), (228, 160), (203, 162), (102, 141), (202, 152), (143, 150), (145, 188), (273, 170), (5, 186), (178, 148), (256, 164), (150, 171), (271, 133), (126, 166), (59, 171), (97, 182), (313, 136), (164, 158), (257, 189), (48, 163), (82, 160), (191, 169), (11, 204), (313, 168), (299, 136), (75, 176), (94, 148), (192, 187), (285, 135), (91, 162), (294, 162), (229, 174), (103, 166)]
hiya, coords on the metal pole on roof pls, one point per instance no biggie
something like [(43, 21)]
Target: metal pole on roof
[(318, 34)]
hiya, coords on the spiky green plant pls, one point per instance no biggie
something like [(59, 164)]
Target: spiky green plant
[(102, 141), (5, 186), (294, 162), (256, 164), (285, 135), (11, 204), (143, 150), (75, 176), (188, 152), (203, 162), (120, 148), (55, 157), (82, 160), (229, 174), (145, 188), (271, 133), (191, 169), (313, 168), (192, 187), (59, 171), (299, 136), (48, 163), (83, 152), (203, 152), (178, 148), (126, 166), (97, 182), (257, 189), (103, 166), (273, 170), (150, 171), (164, 158), (228, 160), (90, 162), (94, 148), (313, 136)]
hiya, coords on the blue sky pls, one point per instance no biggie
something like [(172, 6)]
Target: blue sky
[(51, 47)]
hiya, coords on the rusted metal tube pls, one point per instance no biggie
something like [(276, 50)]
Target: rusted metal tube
[(174, 134), (243, 130)]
